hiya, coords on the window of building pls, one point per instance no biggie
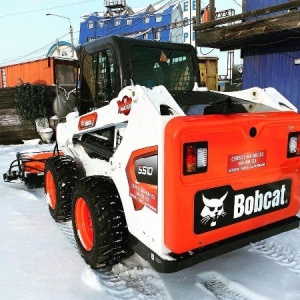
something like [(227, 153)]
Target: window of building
[(146, 20), (100, 24), (185, 21), (158, 19), (89, 39), (145, 36), (90, 24), (157, 35), (117, 22), (128, 21)]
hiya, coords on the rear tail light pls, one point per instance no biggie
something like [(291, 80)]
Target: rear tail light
[(293, 144), (195, 158)]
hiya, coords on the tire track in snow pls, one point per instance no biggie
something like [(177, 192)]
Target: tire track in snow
[(281, 251), (223, 288), (67, 229), (136, 281)]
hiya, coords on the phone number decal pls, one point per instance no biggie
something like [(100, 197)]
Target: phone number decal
[(246, 161)]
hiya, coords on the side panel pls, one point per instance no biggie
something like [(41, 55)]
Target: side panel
[(142, 177), (249, 182)]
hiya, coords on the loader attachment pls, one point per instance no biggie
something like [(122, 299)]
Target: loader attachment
[(28, 167)]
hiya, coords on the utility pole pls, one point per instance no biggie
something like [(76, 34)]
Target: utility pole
[(71, 37), (191, 22), (212, 10), (198, 12), (70, 30)]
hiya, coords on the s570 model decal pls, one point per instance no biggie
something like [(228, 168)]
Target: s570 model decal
[(141, 171), (222, 206)]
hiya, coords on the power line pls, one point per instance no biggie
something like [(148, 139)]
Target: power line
[(237, 3), (23, 57), (160, 28), (43, 9), (28, 55)]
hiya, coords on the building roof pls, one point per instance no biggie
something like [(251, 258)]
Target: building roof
[(129, 11)]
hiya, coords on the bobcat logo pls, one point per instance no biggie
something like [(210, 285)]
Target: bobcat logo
[(213, 209), (124, 106)]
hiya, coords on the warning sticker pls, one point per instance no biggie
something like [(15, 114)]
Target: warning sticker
[(246, 161), (142, 196)]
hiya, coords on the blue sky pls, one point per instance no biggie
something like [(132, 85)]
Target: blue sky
[(27, 33)]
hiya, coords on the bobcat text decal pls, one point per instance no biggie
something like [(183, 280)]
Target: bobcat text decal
[(87, 121), (259, 202), (124, 105), (222, 206)]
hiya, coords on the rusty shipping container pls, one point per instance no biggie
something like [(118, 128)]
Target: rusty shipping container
[(46, 71)]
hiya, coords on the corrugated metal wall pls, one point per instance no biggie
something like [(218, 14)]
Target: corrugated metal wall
[(37, 72), (254, 4), (273, 66)]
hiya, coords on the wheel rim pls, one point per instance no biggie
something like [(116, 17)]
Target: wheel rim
[(84, 224), (51, 189)]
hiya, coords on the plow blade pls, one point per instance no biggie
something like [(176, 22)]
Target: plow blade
[(29, 168)]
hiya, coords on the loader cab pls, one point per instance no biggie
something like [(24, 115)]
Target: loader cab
[(108, 64), (98, 82), (153, 66)]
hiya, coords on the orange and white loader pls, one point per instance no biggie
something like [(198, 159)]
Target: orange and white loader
[(151, 162)]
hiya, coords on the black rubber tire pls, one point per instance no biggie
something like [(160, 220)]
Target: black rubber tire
[(110, 232), (65, 175)]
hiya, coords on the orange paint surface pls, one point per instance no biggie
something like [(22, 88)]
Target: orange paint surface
[(226, 135), (37, 72), (36, 161)]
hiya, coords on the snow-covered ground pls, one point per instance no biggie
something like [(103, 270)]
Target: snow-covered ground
[(39, 260)]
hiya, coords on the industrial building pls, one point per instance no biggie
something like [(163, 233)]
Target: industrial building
[(155, 22)]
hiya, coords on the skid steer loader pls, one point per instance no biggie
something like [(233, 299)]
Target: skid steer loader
[(154, 163)]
